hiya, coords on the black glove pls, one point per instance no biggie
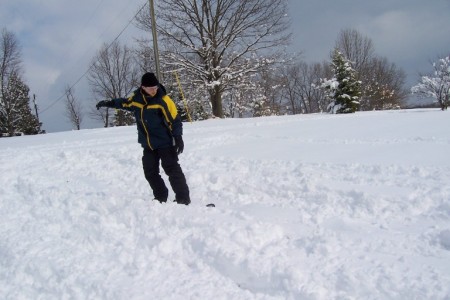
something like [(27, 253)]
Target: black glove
[(105, 103), (179, 144)]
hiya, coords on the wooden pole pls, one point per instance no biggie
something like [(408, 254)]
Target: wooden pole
[(155, 40)]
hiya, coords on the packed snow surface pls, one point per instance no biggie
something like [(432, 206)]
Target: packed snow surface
[(307, 207)]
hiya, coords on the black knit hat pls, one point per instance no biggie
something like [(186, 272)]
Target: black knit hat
[(149, 79)]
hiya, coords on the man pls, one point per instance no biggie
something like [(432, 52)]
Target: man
[(160, 134)]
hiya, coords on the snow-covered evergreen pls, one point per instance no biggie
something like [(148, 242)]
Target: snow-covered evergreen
[(344, 88), (15, 111)]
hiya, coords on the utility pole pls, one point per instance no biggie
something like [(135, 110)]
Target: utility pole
[(36, 110), (155, 40)]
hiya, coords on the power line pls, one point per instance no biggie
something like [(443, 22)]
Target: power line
[(90, 67)]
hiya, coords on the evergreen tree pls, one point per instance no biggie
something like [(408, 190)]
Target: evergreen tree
[(348, 90), (123, 118), (16, 113)]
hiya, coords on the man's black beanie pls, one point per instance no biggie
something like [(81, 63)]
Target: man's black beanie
[(149, 79)]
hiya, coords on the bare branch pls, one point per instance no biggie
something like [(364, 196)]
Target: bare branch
[(73, 109)]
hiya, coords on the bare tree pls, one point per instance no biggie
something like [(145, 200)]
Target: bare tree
[(222, 40), (144, 57), (297, 87), (10, 66), (384, 86), (74, 111), (290, 88), (10, 56), (356, 48), (114, 74), (436, 85), (301, 87)]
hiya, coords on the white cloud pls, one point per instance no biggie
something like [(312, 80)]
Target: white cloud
[(407, 34), (41, 75)]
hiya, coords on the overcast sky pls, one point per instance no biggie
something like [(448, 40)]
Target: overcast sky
[(60, 37)]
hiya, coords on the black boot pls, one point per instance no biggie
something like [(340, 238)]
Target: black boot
[(182, 201), (161, 200)]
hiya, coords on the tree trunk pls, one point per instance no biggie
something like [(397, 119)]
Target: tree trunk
[(107, 118), (10, 125), (216, 102)]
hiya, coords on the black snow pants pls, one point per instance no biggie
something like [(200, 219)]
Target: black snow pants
[(170, 165)]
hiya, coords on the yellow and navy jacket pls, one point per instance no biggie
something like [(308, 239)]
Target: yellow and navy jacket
[(157, 118)]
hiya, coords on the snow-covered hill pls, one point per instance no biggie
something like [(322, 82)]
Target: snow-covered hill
[(308, 207)]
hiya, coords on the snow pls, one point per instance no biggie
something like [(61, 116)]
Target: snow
[(319, 206)]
